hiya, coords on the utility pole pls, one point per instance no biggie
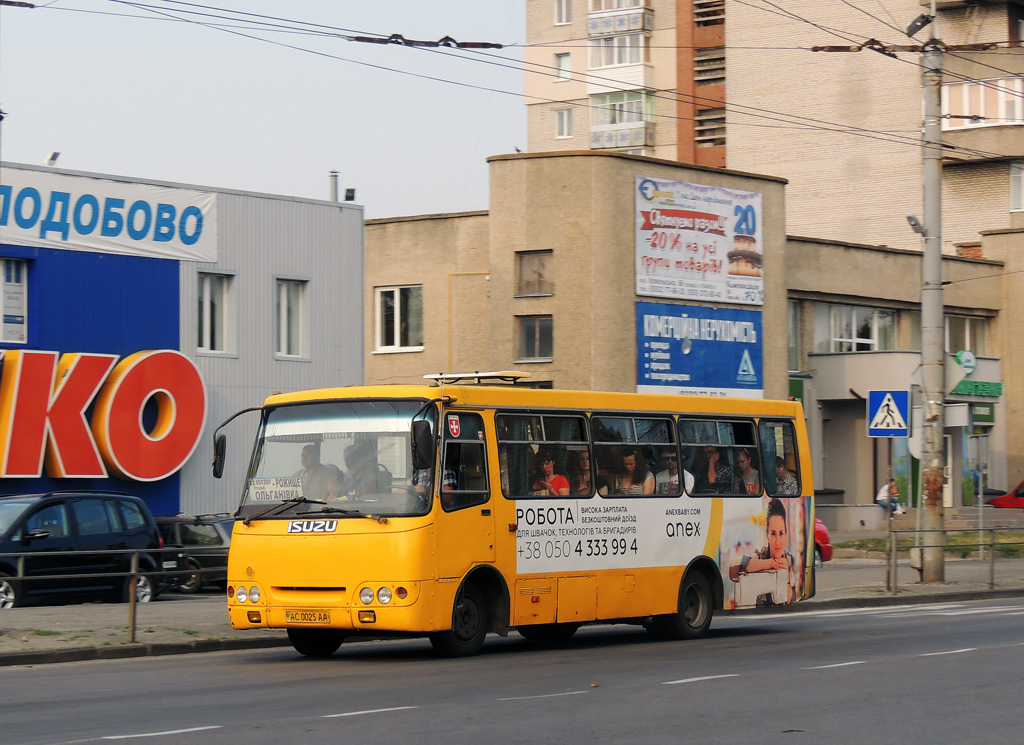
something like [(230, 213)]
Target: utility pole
[(932, 324)]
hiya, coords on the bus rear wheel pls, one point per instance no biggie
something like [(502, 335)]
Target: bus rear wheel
[(550, 633), (469, 626), (692, 619), (315, 642)]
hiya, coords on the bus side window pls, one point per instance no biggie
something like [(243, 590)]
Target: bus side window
[(778, 453), (464, 479)]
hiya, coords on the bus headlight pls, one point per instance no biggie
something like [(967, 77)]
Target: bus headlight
[(366, 595), (384, 595), (241, 595), (254, 594)]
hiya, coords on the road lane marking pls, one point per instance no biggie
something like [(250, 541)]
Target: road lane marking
[(697, 680), (367, 711), (837, 664), (973, 611), (544, 695), (161, 734), (950, 651)]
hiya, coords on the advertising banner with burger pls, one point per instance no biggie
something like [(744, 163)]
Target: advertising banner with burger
[(696, 242)]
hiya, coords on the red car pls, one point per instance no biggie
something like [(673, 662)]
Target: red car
[(822, 544), (1013, 500)]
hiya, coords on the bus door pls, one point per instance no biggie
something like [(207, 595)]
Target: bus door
[(465, 525)]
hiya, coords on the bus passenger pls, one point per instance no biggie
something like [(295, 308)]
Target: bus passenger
[(772, 557), (710, 473), (667, 481), (320, 481), (581, 479), (747, 479), (635, 479), (548, 483), (785, 482)]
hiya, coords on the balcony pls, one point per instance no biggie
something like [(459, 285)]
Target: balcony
[(984, 119), (612, 22), (630, 134)]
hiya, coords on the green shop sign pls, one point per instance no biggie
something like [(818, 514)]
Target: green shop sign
[(979, 388), (983, 413)]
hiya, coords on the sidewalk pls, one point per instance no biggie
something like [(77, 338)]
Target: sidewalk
[(182, 624)]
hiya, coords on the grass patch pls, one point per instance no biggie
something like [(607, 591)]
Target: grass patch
[(43, 632), (1009, 544)]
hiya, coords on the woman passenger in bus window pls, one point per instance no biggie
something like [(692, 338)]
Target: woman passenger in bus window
[(747, 479), (548, 483), (710, 472), (785, 481), (635, 478), (581, 482)]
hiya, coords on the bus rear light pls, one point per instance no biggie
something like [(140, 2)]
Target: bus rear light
[(367, 616), (366, 595), (254, 616), (402, 593)]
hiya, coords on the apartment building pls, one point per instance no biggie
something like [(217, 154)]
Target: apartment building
[(737, 84)]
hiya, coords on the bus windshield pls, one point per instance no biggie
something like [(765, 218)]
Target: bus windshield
[(337, 458)]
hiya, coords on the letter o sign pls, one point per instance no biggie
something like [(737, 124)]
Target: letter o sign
[(173, 383)]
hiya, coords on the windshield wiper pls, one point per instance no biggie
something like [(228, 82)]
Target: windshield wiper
[(271, 508), (348, 513)]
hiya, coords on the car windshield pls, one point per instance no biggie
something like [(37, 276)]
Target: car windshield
[(10, 511), (343, 458)]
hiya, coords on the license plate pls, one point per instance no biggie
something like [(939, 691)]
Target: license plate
[(307, 616), (170, 565)]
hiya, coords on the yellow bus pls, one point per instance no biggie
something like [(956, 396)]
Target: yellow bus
[(453, 510)]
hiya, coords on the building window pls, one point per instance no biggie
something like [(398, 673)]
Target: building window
[(793, 323), (983, 103), (1017, 185), (708, 12), (291, 318), (534, 268), (563, 123), (853, 328), (15, 292), (621, 108), (563, 12), (562, 69), (709, 66), (967, 332), (215, 316), (536, 338), (709, 125), (400, 318), (628, 49)]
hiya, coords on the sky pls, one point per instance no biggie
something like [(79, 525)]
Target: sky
[(132, 89)]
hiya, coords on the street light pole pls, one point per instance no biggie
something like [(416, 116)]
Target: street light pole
[(932, 323)]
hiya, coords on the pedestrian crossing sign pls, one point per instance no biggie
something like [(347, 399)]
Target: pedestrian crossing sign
[(888, 414)]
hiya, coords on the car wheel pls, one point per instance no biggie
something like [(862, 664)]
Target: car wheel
[(195, 579), (315, 642), (469, 626), (819, 560), (144, 589), (693, 618), (10, 592)]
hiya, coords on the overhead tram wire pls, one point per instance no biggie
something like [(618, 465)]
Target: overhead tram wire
[(807, 124)]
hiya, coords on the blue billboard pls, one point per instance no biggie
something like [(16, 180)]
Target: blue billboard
[(696, 350)]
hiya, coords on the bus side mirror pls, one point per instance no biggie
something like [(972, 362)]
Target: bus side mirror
[(220, 447), (422, 445)]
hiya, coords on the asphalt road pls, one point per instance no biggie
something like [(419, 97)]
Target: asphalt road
[(940, 673)]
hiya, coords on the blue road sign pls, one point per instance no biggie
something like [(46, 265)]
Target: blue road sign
[(888, 413)]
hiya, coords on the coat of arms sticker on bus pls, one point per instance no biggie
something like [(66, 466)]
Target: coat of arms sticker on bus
[(453, 424)]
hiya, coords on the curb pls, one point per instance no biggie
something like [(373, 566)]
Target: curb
[(79, 654)]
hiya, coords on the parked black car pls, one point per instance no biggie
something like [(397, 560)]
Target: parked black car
[(206, 539), (88, 537)]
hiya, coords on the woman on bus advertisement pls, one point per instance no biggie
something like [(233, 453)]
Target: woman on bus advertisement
[(764, 554)]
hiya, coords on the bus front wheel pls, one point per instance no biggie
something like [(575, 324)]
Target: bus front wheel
[(692, 619), (315, 642), (469, 626)]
